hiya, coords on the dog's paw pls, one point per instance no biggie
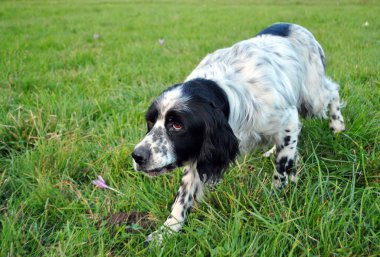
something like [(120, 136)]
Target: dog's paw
[(156, 237), (280, 181), (337, 125)]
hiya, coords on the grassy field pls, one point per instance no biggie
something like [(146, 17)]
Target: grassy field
[(75, 80)]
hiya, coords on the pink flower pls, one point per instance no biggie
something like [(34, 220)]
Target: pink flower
[(102, 184)]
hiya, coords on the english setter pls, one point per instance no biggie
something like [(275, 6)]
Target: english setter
[(236, 98)]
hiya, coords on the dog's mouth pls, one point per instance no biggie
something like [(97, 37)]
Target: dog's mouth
[(159, 171)]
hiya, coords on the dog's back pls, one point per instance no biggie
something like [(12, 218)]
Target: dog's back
[(280, 68)]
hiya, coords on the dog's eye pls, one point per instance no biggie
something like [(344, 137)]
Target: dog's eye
[(177, 126)]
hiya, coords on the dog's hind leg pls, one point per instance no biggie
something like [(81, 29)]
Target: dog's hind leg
[(191, 190), (336, 118), (286, 151)]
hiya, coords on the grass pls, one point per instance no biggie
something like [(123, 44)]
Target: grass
[(72, 107)]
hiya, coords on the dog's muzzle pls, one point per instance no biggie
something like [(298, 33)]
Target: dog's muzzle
[(141, 156)]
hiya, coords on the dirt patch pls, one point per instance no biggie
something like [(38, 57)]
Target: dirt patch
[(133, 221)]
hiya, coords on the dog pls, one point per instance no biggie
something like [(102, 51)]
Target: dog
[(237, 98)]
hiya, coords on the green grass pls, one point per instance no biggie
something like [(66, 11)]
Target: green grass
[(72, 108)]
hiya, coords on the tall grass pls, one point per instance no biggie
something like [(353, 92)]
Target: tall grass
[(75, 80)]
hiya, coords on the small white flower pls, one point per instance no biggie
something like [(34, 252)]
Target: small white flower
[(161, 41), (96, 36), (366, 24)]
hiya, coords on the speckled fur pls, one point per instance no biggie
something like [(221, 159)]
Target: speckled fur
[(269, 81)]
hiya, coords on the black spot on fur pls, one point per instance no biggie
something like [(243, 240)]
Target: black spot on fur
[(278, 29), (287, 130), (182, 200), (275, 177), (281, 164), (287, 140), (184, 193), (185, 211), (334, 117), (284, 165), (290, 165)]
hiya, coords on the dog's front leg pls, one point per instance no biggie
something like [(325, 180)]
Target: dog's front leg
[(286, 151), (191, 189)]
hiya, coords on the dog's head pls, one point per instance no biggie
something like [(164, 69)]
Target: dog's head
[(188, 124)]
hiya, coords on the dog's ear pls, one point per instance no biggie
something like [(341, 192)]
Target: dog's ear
[(220, 146)]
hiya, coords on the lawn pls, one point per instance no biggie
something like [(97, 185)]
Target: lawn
[(75, 80)]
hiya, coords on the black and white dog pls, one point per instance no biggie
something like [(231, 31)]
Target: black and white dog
[(236, 98)]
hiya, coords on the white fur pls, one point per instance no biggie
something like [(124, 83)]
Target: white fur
[(264, 78), (268, 80)]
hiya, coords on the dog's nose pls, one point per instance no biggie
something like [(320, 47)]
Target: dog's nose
[(141, 155)]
